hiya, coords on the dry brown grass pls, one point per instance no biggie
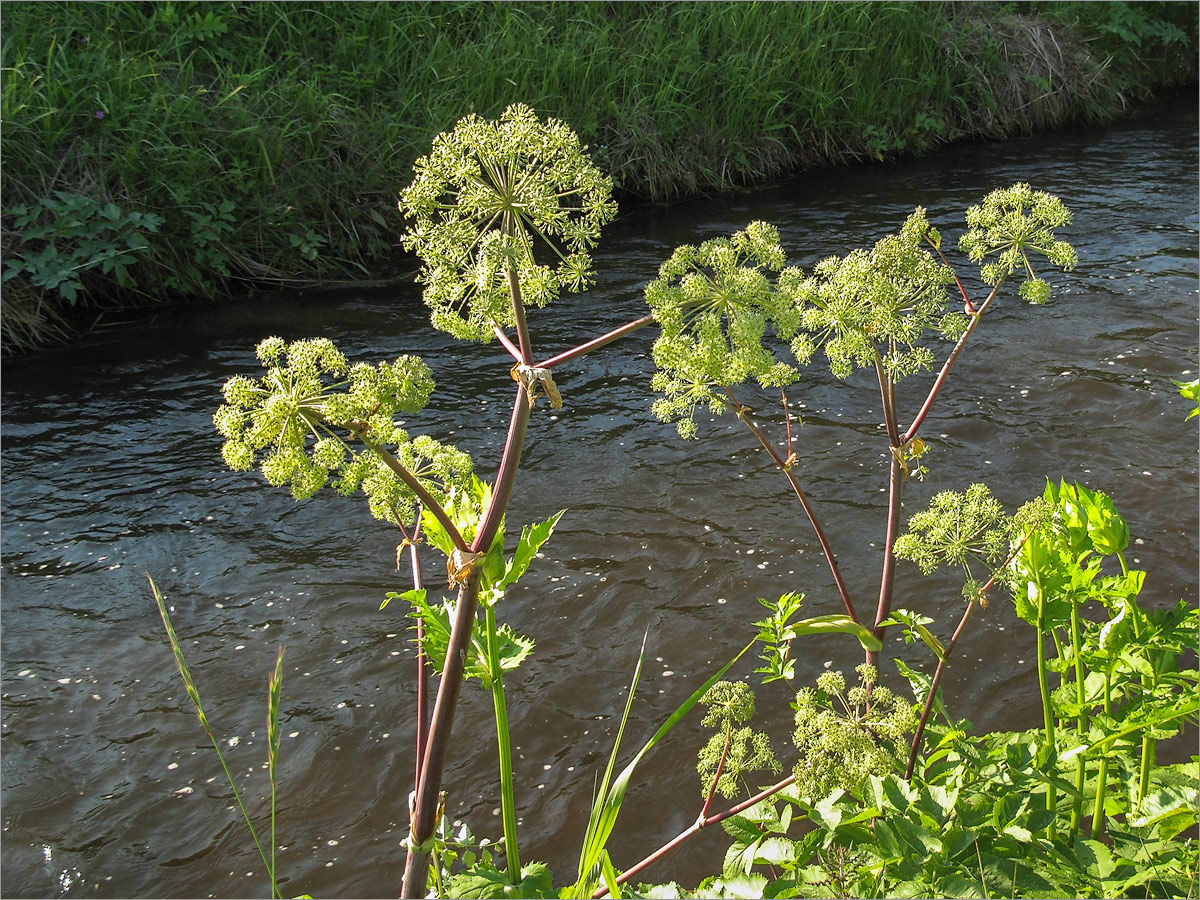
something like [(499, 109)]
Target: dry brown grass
[(1026, 75)]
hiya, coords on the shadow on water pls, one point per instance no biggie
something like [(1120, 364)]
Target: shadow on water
[(112, 470)]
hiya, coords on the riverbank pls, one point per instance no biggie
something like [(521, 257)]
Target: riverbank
[(196, 149)]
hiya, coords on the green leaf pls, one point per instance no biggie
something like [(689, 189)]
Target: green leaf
[(610, 876), (532, 538), (916, 835), (479, 884), (1168, 800), (1094, 857), (611, 794), (828, 812), (742, 887), (958, 885), (834, 624)]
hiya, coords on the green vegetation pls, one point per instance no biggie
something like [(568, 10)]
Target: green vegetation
[(156, 150), (885, 796)]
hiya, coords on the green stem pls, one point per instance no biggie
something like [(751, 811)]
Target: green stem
[(1149, 745), (1080, 720), (504, 744), (1047, 709), (895, 490), (1102, 776)]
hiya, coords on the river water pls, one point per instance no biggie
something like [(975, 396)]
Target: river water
[(112, 471)]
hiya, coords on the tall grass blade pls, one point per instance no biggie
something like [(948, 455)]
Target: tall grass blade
[(611, 796), (194, 696)]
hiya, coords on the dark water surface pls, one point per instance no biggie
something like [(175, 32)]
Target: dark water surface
[(111, 470)]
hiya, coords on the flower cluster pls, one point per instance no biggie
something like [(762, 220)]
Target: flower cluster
[(878, 302), (485, 194), (957, 529), (715, 304), (1011, 223), (308, 391), (731, 752), (845, 736)]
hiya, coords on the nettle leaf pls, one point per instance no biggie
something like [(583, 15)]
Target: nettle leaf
[(1176, 802), (488, 884), (741, 829), (1094, 857), (917, 836), (958, 885)]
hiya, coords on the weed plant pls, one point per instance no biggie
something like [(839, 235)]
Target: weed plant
[(885, 795), (266, 139)]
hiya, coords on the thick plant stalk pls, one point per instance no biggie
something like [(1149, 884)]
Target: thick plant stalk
[(887, 577), (1047, 708), (1080, 722), (425, 808), (424, 814), (1102, 776)]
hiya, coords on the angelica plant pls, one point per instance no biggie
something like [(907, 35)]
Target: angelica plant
[(715, 304), (844, 735), (300, 420), (875, 307), (484, 200), (1010, 224), (724, 319), (731, 751), (958, 529)]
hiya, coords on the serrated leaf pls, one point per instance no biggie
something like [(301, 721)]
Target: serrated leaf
[(1094, 857), (741, 829), (916, 836), (742, 887), (774, 851), (532, 538)]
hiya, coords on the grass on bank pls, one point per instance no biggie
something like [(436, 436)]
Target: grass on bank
[(194, 148)]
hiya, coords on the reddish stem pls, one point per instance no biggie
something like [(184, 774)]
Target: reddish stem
[(895, 488), (712, 788), (887, 578), (944, 373), (933, 686), (695, 829), (508, 344), (413, 483), (785, 467), (937, 675), (596, 343), (424, 817)]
